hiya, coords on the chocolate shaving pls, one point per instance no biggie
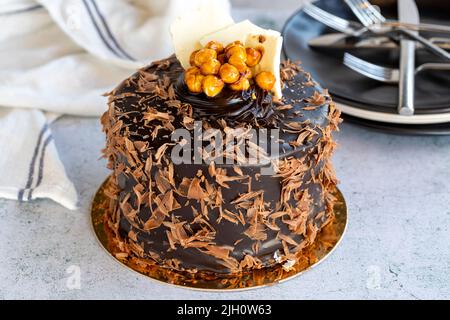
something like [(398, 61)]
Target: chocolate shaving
[(195, 191)]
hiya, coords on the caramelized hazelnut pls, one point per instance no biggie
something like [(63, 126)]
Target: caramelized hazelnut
[(194, 82), (237, 50), (216, 46), (204, 55), (212, 85), (238, 62), (232, 44), (253, 57), (229, 73), (241, 85), (192, 58), (222, 58), (210, 67), (265, 80), (192, 70)]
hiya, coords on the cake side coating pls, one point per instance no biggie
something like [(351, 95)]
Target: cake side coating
[(217, 218)]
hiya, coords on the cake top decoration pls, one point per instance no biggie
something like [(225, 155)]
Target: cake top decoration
[(216, 52)]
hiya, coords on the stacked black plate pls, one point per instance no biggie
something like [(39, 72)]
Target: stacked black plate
[(366, 101)]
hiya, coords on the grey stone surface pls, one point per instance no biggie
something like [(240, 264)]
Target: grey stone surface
[(397, 245)]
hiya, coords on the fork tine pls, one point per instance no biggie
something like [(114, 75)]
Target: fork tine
[(368, 69), (384, 74), (364, 7), (325, 18), (365, 12), (368, 74), (353, 6), (374, 72), (322, 15), (367, 65), (378, 16), (370, 10)]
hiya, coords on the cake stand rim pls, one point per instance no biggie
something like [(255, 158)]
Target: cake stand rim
[(218, 290)]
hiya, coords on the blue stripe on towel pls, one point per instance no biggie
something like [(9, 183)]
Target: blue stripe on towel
[(28, 9), (91, 15), (41, 166), (109, 33), (32, 163)]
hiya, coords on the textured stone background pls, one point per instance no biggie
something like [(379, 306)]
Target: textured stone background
[(397, 244)]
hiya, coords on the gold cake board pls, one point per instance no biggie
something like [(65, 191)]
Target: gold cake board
[(326, 241)]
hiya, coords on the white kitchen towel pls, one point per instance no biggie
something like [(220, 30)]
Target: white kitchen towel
[(59, 57)]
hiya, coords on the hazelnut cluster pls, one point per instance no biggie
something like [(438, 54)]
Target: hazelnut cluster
[(215, 66)]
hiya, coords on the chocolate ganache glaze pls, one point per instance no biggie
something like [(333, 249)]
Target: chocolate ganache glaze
[(254, 105), (218, 218)]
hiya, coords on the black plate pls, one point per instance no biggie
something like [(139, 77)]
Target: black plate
[(403, 129), (432, 94)]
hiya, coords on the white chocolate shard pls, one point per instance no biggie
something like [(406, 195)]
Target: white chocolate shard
[(187, 30), (235, 32), (268, 41)]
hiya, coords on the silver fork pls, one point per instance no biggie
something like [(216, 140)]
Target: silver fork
[(373, 20), (365, 12), (384, 74), (343, 25), (350, 28)]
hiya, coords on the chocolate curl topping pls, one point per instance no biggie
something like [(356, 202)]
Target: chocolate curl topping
[(251, 106)]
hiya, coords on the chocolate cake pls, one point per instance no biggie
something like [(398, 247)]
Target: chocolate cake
[(220, 154), (208, 217)]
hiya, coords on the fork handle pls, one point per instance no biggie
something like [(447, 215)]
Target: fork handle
[(406, 78), (426, 43)]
